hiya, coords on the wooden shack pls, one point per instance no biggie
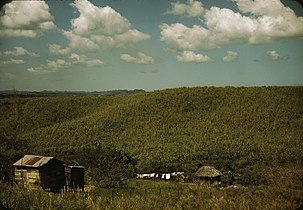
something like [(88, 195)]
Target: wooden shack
[(208, 174), (33, 171)]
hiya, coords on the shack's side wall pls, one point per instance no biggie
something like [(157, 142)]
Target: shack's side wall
[(53, 175)]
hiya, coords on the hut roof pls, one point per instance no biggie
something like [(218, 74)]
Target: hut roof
[(34, 161), (208, 171)]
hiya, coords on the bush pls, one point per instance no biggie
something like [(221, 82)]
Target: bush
[(105, 166)]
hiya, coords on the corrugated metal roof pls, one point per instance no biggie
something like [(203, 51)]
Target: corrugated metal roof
[(34, 161)]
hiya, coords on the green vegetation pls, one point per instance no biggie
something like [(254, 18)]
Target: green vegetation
[(154, 195), (253, 135)]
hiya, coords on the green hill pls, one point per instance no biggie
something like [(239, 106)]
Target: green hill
[(239, 130)]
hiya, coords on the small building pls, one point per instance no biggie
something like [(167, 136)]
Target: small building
[(74, 177), (33, 171), (208, 174)]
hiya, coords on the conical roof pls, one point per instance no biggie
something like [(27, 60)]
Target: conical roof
[(208, 171)]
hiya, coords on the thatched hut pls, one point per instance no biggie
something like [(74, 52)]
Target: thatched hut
[(208, 174)]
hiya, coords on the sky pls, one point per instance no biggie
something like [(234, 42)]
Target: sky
[(102, 45)]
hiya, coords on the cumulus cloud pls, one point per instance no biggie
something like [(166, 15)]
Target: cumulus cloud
[(100, 27), (189, 56), (37, 69), (94, 62), (129, 36), (182, 38), (50, 66), (12, 61), (77, 59), (230, 56), (109, 21), (57, 64), (25, 19), (192, 8), (19, 51), (55, 49), (77, 41), (141, 59), (259, 22), (273, 55), (260, 7)]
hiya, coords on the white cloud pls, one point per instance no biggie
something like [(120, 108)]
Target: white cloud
[(31, 69), (77, 59), (230, 56), (25, 19), (19, 51), (141, 59), (98, 20), (181, 37), (189, 56), (101, 27), (273, 55), (39, 69), (57, 64), (261, 7), (260, 22), (130, 36), (4, 32), (192, 8), (226, 23), (12, 61), (55, 49), (94, 62), (51, 66), (77, 41)]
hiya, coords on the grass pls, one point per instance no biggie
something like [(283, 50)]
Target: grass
[(147, 194)]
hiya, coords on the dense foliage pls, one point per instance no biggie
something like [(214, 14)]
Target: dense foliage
[(253, 135), (105, 166), (231, 128)]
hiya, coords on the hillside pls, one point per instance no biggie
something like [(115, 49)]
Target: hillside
[(239, 130)]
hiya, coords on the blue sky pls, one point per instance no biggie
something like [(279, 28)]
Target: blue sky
[(150, 44)]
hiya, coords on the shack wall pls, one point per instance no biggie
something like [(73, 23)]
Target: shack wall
[(53, 175)]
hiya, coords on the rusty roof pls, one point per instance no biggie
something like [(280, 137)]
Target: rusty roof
[(34, 161)]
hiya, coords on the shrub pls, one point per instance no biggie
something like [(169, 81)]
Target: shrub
[(105, 166)]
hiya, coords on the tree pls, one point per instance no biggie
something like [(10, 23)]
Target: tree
[(105, 166)]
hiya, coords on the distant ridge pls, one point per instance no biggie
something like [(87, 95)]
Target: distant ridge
[(45, 93)]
